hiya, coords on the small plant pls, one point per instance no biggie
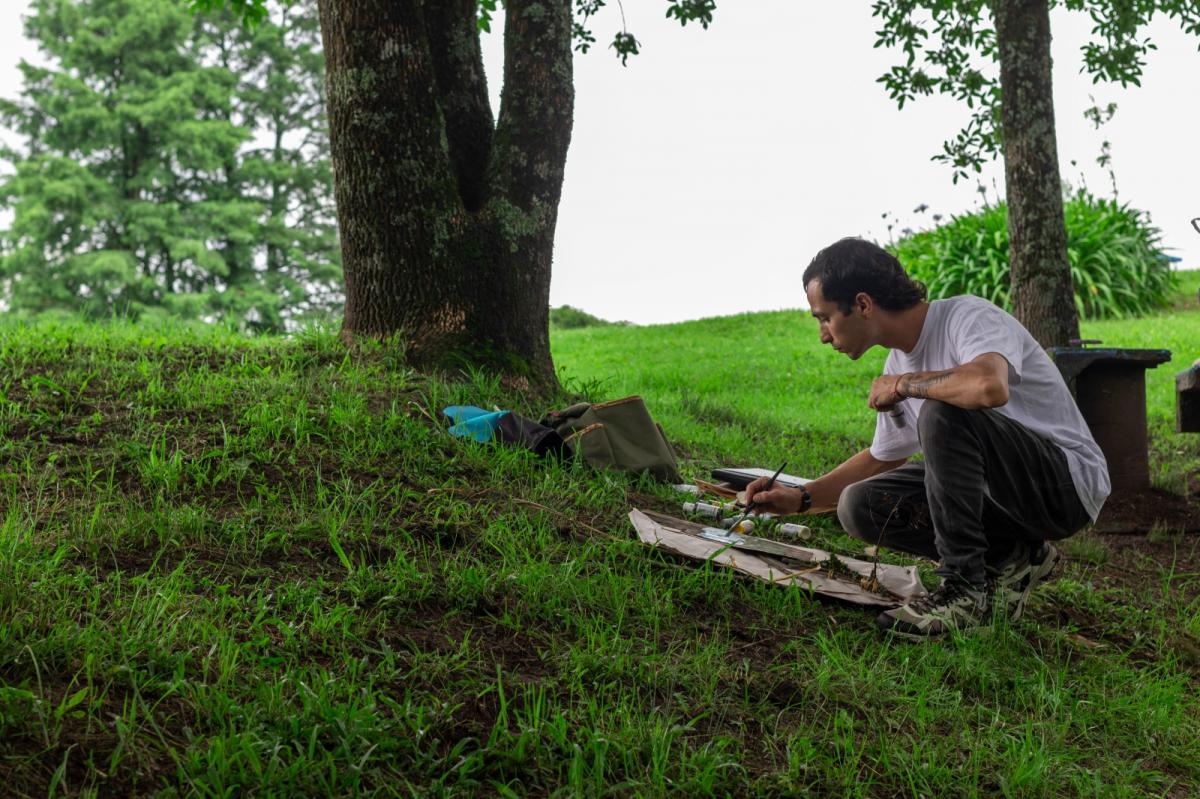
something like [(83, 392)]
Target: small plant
[(1088, 547), (1117, 265), (1163, 534)]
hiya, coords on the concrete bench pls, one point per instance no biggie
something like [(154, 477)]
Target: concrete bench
[(1109, 385)]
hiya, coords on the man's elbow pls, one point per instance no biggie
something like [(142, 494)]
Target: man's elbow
[(995, 393)]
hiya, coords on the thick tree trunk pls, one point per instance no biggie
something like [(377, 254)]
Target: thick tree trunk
[(396, 198), (1043, 295), (447, 219)]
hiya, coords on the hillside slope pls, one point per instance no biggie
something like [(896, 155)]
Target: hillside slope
[(262, 567), (761, 387)]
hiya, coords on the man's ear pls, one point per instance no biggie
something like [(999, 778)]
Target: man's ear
[(864, 303)]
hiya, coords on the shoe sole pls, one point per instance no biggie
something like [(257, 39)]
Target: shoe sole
[(891, 631), (1037, 574), (887, 625)]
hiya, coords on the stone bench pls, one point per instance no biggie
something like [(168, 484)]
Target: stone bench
[(1109, 385)]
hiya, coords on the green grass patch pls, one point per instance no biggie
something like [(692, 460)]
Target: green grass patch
[(1087, 547), (236, 566)]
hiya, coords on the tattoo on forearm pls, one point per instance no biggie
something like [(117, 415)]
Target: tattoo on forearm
[(919, 385)]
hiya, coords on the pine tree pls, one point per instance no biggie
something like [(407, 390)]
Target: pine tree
[(295, 267), (142, 187)]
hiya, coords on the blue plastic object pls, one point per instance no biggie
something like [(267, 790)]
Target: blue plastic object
[(472, 422)]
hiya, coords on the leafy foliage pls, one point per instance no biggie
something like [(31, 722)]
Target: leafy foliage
[(171, 165), (1117, 265), (949, 47), (251, 12), (624, 44), (567, 317)]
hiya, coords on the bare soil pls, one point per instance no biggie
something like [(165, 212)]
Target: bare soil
[(1140, 512)]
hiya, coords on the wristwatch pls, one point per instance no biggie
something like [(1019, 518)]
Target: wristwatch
[(805, 500)]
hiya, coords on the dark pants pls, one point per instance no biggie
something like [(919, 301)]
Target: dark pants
[(987, 483)]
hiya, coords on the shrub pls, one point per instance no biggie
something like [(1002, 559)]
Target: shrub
[(1116, 264), (568, 318)]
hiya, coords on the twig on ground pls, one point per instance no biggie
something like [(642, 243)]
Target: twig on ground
[(567, 516)]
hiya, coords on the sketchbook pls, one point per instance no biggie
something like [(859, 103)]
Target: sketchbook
[(742, 477)]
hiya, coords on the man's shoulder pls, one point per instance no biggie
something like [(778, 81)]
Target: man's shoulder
[(962, 302), (972, 325), (956, 310)]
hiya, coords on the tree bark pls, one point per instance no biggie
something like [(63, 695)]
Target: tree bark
[(525, 177), (1042, 291), (446, 218)]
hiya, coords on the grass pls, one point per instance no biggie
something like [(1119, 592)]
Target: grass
[(1087, 546), (236, 566)]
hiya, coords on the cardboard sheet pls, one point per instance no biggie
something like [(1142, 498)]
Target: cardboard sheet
[(785, 564)]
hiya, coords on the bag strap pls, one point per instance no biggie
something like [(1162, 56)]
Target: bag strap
[(554, 418)]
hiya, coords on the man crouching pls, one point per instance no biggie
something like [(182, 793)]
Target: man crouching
[(1009, 463)]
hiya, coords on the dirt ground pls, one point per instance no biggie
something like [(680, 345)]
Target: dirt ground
[(1149, 510), (1146, 532)]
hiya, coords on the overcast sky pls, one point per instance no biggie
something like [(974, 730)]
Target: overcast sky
[(703, 177)]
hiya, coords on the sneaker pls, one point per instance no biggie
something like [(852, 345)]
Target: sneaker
[(1010, 582), (954, 605), (1015, 581), (1041, 565)]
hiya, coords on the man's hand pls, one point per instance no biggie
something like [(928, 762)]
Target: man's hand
[(885, 392), (780, 500)]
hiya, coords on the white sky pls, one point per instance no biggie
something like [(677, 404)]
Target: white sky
[(703, 177)]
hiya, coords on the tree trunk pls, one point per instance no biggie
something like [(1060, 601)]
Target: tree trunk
[(1042, 291), (446, 218), (277, 217)]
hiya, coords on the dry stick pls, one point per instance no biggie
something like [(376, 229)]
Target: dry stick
[(873, 580), (795, 574), (465, 493), (560, 514), (424, 412), (529, 502)]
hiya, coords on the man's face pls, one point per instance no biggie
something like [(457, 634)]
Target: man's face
[(849, 333)]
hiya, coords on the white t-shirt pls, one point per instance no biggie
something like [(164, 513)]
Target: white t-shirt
[(959, 330)]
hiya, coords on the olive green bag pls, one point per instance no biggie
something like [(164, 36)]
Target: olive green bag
[(617, 435)]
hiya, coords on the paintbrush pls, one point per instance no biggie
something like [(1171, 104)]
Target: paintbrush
[(750, 507)]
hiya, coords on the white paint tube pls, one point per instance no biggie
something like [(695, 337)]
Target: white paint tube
[(704, 509), (794, 530)]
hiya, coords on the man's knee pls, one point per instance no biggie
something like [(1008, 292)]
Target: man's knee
[(854, 511), (939, 419)]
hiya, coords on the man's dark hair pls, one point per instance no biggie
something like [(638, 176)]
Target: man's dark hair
[(852, 265)]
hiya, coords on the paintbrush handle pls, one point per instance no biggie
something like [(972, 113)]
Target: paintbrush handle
[(752, 504), (771, 482)]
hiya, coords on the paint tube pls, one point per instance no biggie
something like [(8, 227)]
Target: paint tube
[(744, 526), (794, 530), (704, 509)]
